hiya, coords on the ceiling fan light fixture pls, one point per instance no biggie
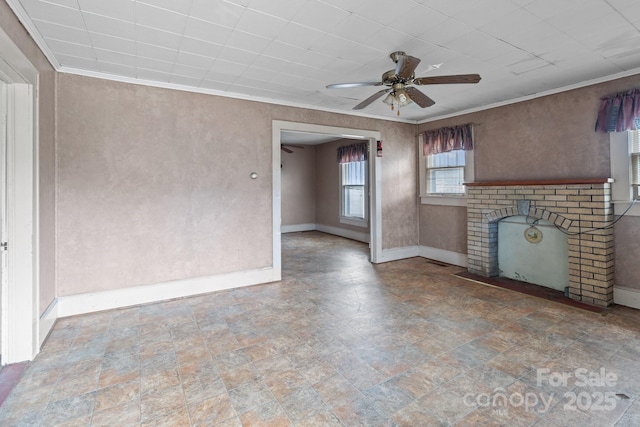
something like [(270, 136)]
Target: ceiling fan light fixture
[(389, 99), (402, 98)]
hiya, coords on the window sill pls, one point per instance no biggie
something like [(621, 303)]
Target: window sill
[(619, 207), (448, 200), (354, 221)]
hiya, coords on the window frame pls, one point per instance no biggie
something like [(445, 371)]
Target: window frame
[(621, 189), (351, 220), (427, 198)]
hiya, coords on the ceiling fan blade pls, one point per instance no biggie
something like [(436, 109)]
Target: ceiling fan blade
[(370, 99), (405, 66), (357, 84), (419, 98), (285, 149), (438, 80)]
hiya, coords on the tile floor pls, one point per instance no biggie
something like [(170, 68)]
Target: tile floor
[(338, 342)]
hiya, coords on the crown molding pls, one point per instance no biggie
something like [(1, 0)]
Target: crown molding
[(28, 24)]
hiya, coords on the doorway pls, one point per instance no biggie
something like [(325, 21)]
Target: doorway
[(371, 137)]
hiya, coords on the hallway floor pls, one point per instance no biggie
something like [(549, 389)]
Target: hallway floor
[(338, 341)]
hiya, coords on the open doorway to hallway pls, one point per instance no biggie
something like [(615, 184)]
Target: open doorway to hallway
[(303, 135)]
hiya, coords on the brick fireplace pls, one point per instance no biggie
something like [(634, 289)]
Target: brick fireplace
[(578, 207)]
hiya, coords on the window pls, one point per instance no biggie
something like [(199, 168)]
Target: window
[(634, 151), (353, 192), (445, 172)]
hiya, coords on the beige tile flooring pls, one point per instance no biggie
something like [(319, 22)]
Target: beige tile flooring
[(338, 342)]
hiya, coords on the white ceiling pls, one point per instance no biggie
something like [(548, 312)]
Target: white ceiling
[(287, 51)]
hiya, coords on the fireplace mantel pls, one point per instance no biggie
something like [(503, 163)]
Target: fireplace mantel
[(579, 181)]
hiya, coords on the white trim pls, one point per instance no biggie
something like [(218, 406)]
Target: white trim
[(375, 172), (534, 96), (354, 221), (343, 232), (47, 321), (621, 190), (444, 200), (626, 296), (108, 300), (443, 255), (20, 295), (297, 227), (395, 254)]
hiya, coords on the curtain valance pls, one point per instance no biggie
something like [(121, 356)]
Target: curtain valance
[(448, 139), (353, 153), (620, 112)]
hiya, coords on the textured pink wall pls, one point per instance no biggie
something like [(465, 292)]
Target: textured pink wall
[(46, 150), (298, 175), (153, 184), (444, 227)]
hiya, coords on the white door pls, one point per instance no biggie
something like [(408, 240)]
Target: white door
[(3, 209)]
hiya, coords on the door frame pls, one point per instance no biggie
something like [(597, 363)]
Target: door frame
[(20, 295), (375, 187)]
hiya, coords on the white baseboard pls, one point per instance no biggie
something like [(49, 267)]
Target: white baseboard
[(343, 232), (297, 227), (47, 320), (107, 300), (443, 255), (626, 296), (395, 254)]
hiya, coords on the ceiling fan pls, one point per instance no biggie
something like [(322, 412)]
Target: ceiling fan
[(399, 81), (287, 148)]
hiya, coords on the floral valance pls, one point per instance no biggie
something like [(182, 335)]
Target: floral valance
[(444, 140), (620, 112), (353, 153)]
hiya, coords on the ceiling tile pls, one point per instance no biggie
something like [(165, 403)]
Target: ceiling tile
[(194, 61), (70, 49), (191, 72), (179, 6), (117, 9), (162, 19), (153, 75), (299, 35), (259, 23), (156, 52), (207, 31), (117, 69), (445, 32), (321, 16), (110, 56), (115, 44), (61, 32), (53, 13), (67, 3), (247, 41), (239, 56), (380, 12), (282, 9), (185, 81), (113, 27), (277, 49), (218, 12), (153, 64), (509, 24), (157, 37), (80, 63), (200, 47)]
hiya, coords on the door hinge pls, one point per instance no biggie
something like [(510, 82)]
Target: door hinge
[(3, 246)]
